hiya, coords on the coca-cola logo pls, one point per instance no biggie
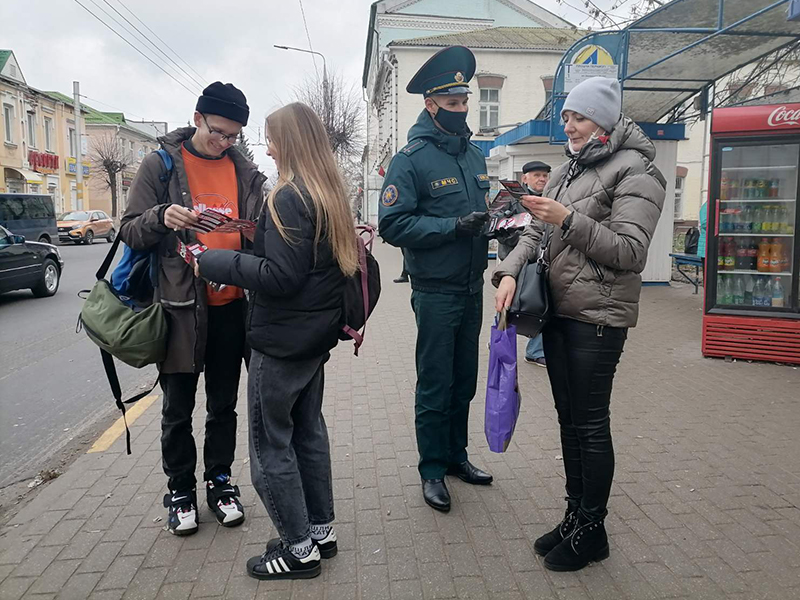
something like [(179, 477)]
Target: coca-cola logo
[(782, 116)]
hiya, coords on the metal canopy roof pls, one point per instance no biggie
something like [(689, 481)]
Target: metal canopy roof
[(671, 54), (678, 49)]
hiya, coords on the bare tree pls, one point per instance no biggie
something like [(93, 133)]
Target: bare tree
[(109, 156), (341, 109)]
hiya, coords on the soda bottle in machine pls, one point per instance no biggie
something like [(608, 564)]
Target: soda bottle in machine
[(738, 291), (763, 256), (775, 256), (774, 188), (786, 253), (759, 291), (730, 255), (727, 294), (724, 187), (777, 293), (761, 187), (741, 254), (748, 218), (768, 293), (758, 219), (748, 290), (775, 218), (752, 255)]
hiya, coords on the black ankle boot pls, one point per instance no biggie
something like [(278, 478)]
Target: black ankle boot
[(588, 542), (550, 540)]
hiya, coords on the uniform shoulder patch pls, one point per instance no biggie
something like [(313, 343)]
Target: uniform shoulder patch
[(412, 147), (390, 195)]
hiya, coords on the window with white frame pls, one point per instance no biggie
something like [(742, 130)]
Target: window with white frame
[(31, 121), (490, 108), (679, 183), (8, 122), (48, 134), (73, 143)]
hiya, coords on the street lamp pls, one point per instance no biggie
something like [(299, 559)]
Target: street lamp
[(326, 101)]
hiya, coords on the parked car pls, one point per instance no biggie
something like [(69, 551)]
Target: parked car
[(31, 215), (28, 265), (85, 226)]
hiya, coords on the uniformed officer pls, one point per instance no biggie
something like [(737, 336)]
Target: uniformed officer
[(433, 206)]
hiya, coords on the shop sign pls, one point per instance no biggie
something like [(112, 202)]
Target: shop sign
[(42, 162), (71, 162)]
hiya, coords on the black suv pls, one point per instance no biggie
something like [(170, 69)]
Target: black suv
[(28, 265)]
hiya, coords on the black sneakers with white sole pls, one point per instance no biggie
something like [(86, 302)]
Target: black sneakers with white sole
[(278, 562), (223, 500), (182, 513)]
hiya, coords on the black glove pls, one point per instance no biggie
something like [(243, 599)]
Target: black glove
[(471, 225)]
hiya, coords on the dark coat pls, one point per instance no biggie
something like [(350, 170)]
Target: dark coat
[(179, 291), (296, 305), (431, 182)]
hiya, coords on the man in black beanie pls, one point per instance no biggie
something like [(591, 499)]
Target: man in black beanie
[(199, 170)]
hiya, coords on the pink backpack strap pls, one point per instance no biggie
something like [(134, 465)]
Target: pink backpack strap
[(363, 245)]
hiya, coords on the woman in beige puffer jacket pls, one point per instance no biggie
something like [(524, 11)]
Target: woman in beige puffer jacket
[(602, 206)]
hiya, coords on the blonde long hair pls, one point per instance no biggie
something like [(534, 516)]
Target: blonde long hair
[(305, 153)]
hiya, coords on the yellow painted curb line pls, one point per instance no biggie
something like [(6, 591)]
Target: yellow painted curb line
[(111, 434)]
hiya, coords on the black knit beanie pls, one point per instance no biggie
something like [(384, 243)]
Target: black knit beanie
[(225, 100)]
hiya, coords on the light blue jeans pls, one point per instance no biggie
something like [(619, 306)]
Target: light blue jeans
[(534, 349)]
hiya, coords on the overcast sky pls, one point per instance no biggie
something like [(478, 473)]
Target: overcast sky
[(57, 42)]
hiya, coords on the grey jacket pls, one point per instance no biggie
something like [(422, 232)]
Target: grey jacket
[(181, 293), (616, 194)]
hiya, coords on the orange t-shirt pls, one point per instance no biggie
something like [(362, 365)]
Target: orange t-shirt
[(213, 186)]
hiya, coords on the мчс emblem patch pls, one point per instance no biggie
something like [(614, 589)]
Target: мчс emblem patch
[(390, 195)]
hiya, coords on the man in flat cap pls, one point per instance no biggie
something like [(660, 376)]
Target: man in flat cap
[(199, 170), (535, 175), (433, 206)]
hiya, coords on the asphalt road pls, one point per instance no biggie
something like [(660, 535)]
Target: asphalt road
[(53, 389)]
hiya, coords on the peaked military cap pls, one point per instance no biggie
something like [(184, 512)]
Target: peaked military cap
[(446, 73)]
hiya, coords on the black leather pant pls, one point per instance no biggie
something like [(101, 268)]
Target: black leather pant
[(581, 361)]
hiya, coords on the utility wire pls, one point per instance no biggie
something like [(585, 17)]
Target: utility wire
[(308, 37), (154, 45), (121, 3), (159, 67), (133, 36)]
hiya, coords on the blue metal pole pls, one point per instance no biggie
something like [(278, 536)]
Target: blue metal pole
[(721, 21), (708, 37)]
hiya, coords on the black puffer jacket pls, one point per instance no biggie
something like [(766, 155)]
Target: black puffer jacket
[(296, 307)]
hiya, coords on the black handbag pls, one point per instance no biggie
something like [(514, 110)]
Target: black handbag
[(531, 308)]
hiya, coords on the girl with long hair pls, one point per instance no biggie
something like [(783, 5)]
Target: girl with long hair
[(304, 248)]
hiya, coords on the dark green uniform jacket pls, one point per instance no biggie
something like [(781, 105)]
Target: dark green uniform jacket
[(432, 181)]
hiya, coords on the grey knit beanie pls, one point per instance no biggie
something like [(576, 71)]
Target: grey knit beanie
[(598, 99)]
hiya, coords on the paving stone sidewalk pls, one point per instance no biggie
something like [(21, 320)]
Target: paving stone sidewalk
[(706, 500)]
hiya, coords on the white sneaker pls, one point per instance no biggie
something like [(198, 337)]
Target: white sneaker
[(182, 514)]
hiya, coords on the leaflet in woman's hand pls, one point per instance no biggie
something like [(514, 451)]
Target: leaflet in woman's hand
[(210, 221)]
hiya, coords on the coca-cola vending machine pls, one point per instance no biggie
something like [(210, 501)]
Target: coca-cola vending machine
[(751, 293)]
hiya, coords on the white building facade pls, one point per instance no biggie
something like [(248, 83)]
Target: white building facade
[(517, 45)]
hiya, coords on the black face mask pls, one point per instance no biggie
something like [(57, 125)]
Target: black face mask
[(453, 122)]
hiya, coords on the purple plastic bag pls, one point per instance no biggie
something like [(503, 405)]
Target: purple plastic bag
[(502, 389)]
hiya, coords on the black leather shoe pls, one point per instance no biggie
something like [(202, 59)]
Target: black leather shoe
[(436, 495), (469, 473), (400, 280), (548, 541), (588, 542)]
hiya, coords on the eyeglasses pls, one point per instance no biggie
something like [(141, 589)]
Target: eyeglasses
[(218, 135)]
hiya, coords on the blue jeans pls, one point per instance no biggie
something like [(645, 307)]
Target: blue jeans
[(534, 350)]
